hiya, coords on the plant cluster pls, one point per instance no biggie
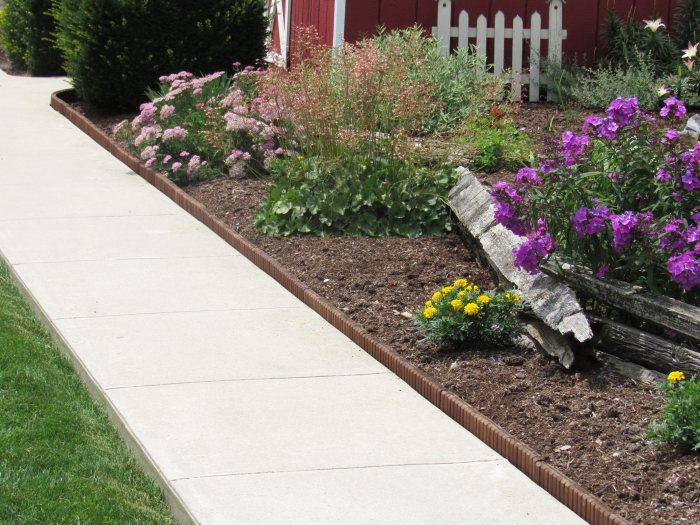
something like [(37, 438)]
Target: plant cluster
[(27, 34), (462, 313), (680, 422), (356, 195), (643, 59), (199, 128), (621, 198), (115, 50)]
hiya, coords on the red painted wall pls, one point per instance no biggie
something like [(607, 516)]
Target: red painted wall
[(315, 13), (583, 19)]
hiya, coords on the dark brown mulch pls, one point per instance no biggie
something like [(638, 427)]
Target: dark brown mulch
[(587, 422)]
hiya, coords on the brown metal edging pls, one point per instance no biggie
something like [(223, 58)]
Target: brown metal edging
[(568, 492)]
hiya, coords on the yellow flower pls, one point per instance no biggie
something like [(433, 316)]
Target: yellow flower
[(428, 304), (461, 283), (475, 288), (429, 312), (483, 299), (461, 294), (512, 297), (469, 288), (447, 289), (456, 304), (471, 309), (437, 296), (300, 157), (675, 377)]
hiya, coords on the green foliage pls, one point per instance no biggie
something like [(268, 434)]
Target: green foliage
[(356, 195), (27, 30), (494, 143), (62, 462), (686, 23), (596, 88), (116, 49), (680, 421), (461, 313), (627, 40)]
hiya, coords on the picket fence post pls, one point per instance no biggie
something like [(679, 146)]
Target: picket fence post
[(554, 34)]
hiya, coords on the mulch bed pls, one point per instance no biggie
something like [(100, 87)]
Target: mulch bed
[(587, 422)]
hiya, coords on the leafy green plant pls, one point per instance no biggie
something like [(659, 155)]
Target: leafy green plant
[(116, 49), (462, 313), (27, 30), (356, 195), (680, 421), (628, 40), (686, 23), (493, 143), (595, 88)]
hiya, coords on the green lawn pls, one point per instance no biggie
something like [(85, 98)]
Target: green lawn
[(61, 461)]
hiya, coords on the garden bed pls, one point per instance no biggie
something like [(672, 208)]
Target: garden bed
[(586, 422)]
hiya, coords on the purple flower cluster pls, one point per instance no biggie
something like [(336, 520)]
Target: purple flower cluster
[(538, 245), (507, 207), (629, 225), (572, 146), (589, 221), (673, 107)]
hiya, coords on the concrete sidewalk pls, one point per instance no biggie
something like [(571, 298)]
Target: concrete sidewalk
[(250, 407)]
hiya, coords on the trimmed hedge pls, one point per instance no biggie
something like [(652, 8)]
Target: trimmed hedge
[(116, 49), (27, 30)]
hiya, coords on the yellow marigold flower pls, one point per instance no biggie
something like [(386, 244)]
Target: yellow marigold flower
[(461, 294), (461, 283), (475, 288), (512, 297), (429, 312), (484, 299), (437, 296), (456, 304), (675, 377), (469, 288), (471, 309), (447, 289), (428, 304)]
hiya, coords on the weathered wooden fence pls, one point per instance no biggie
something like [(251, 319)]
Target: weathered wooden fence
[(517, 33)]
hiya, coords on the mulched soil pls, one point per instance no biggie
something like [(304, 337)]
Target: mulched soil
[(587, 422)]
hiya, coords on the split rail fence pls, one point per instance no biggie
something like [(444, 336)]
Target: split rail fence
[(519, 36)]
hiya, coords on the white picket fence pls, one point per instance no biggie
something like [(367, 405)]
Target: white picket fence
[(518, 34)]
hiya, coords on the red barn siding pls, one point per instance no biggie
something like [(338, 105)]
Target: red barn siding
[(583, 19)]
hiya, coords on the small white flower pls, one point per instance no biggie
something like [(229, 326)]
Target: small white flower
[(654, 25)]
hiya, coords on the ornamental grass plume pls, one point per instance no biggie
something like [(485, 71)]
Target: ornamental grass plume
[(461, 313)]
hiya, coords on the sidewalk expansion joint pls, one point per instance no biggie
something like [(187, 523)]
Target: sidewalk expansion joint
[(330, 469), (246, 379)]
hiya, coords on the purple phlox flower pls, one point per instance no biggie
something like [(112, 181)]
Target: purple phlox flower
[(547, 166), (690, 181), (591, 121), (602, 271), (505, 214), (671, 134), (677, 196), (673, 237), (608, 129), (621, 110), (590, 221), (537, 246), (527, 176), (627, 226), (674, 107), (572, 146), (685, 269), (504, 192), (696, 215), (663, 175)]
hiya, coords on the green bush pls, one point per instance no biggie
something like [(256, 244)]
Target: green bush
[(680, 422), (462, 313), (116, 49), (27, 30), (356, 195), (595, 89), (686, 23)]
